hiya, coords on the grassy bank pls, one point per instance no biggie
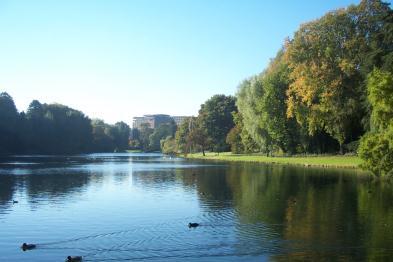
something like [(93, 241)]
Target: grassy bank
[(320, 161), (134, 151)]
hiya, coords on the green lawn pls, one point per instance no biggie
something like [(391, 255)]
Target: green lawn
[(321, 161), (133, 151)]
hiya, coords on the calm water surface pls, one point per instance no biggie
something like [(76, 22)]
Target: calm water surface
[(125, 207)]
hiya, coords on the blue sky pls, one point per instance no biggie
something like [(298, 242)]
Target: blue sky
[(118, 59)]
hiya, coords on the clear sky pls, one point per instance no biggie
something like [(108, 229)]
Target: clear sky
[(118, 59)]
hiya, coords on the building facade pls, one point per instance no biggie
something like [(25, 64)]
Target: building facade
[(154, 121), (179, 119)]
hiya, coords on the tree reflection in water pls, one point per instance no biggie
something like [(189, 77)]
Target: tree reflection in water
[(278, 212)]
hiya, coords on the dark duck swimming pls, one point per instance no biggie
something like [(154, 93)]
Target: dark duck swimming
[(74, 259), (25, 246), (190, 225)]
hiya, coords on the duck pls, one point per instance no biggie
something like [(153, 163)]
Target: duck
[(15, 201), (74, 259), (28, 246), (190, 225)]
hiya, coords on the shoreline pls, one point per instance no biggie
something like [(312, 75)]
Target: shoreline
[(331, 161)]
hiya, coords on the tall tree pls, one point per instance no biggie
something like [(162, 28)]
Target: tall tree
[(329, 66), (9, 121), (376, 147), (249, 93), (198, 136), (234, 138), (283, 132), (182, 136), (144, 136), (168, 145), (122, 136), (216, 118), (102, 137), (161, 132)]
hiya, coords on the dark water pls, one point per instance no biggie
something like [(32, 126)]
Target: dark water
[(125, 207)]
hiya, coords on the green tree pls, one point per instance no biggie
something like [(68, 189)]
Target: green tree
[(283, 132), (122, 135), (9, 122), (199, 138), (376, 147), (248, 145), (249, 93), (215, 117), (234, 140), (134, 142), (376, 150), (168, 145), (330, 58), (161, 132), (102, 140), (380, 95), (144, 134), (182, 136), (55, 128), (261, 102)]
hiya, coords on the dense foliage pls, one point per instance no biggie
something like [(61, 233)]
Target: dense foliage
[(376, 147), (150, 139), (329, 60), (216, 119), (56, 129), (209, 130), (325, 89)]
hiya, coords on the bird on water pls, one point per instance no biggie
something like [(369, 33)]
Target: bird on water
[(25, 246), (74, 259), (190, 225)]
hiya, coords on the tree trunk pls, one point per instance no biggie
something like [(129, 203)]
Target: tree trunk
[(203, 151), (341, 149)]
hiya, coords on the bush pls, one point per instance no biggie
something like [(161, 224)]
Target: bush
[(233, 138), (376, 149), (168, 145)]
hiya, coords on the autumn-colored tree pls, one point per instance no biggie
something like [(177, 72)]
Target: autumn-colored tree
[(327, 58)]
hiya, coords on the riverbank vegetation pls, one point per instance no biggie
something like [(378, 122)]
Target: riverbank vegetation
[(328, 90), (313, 160), (56, 129)]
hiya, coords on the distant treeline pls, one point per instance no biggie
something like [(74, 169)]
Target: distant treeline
[(328, 90), (56, 129)]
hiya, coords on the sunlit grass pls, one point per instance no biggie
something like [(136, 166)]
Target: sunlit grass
[(321, 161)]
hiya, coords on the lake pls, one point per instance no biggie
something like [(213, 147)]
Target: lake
[(126, 207)]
